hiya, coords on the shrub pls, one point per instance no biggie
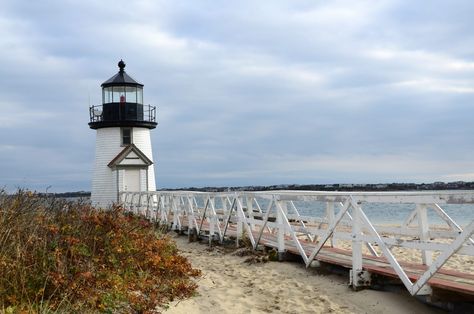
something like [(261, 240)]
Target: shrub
[(61, 256)]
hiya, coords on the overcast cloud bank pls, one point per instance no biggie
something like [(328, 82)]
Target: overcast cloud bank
[(247, 93)]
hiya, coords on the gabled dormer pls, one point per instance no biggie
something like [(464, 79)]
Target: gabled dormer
[(130, 157)]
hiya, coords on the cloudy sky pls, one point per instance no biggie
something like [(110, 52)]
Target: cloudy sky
[(248, 92)]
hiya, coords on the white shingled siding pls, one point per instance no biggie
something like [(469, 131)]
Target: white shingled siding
[(141, 139), (104, 181)]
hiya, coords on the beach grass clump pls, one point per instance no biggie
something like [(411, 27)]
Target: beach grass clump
[(57, 256)]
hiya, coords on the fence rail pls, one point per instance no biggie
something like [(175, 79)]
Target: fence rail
[(279, 219)]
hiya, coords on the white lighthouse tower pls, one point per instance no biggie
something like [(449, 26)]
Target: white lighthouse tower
[(123, 155)]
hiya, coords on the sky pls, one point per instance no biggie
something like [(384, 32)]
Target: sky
[(247, 92)]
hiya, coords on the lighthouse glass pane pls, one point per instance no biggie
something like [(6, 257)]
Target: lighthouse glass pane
[(131, 94), (139, 95), (118, 94), (107, 95)]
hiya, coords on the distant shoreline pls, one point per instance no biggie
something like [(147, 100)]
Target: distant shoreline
[(346, 187)]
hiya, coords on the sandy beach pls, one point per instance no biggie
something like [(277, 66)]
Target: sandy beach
[(230, 285)]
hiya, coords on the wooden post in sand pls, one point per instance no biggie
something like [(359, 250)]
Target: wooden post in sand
[(192, 231), (175, 212), (281, 207), (249, 201), (356, 247), (212, 220), (240, 221)]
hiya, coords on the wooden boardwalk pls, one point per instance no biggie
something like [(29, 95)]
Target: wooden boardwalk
[(444, 279), (273, 219)]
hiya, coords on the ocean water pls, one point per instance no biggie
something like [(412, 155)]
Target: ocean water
[(378, 213), (384, 213), (388, 213)]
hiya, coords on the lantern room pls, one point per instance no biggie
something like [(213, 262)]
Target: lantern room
[(122, 104)]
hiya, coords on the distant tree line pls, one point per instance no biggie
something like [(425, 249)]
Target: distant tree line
[(457, 185), (84, 194)]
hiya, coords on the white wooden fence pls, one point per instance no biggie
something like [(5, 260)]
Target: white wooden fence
[(279, 214)]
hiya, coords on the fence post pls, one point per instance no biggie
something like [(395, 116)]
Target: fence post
[(356, 248), (140, 205), (249, 201), (212, 219), (281, 206), (174, 208), (330, 217), (240, 220), (135, 204), (190, 212), (421, 212)]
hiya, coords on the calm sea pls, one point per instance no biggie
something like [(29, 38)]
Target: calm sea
[(378, 213), (388, 213)]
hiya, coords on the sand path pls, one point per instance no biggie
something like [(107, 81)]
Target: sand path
[(229, 285)]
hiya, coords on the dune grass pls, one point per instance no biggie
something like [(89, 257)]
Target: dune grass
[(60, 257)]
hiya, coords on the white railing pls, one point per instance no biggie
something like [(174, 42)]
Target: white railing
[(297, 218)]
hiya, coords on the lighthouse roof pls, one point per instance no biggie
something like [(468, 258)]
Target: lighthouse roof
[(121, 78)]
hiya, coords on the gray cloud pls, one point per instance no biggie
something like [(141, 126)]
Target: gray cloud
[(247, 93)]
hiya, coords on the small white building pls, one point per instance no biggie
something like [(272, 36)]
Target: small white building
[(123, 154)]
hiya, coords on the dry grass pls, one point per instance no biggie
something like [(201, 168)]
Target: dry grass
[(57, 256)]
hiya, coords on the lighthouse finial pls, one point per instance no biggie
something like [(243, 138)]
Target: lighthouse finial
[(121, 65)]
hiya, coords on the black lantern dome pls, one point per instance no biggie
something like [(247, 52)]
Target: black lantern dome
[(122, 104)]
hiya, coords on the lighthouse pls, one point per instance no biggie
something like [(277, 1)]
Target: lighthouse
[(123, 153)]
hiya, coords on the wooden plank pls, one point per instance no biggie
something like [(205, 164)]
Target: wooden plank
[(444, 279)]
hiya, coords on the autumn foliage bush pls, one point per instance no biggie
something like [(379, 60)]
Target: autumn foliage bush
[(68, 257)]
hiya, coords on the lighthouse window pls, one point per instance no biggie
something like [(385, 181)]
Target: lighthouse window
[(126, 136), (118, 93), (107, 95), (131, 93), (139, 95)]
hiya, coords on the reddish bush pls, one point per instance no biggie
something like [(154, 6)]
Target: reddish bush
[(58, 255)]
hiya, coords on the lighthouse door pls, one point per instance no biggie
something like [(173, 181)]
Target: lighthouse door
[(131, 180)]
